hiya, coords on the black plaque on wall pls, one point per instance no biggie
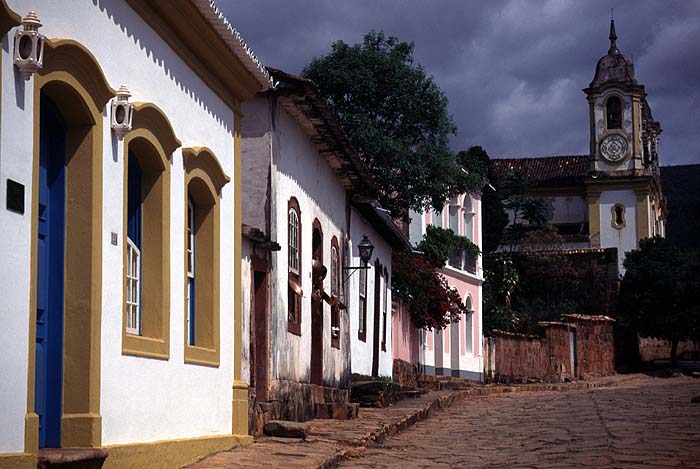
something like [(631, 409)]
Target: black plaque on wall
[(15, 196)]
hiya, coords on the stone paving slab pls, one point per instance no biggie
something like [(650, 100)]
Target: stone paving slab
[(642, 422), (331, 441)]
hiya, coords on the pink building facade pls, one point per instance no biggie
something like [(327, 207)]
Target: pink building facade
[(458, 349)]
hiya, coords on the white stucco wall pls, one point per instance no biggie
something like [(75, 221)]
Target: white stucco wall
[(246, 295), (624, 239), (299, 171), (141, 399), (362, 353), (15, 131)]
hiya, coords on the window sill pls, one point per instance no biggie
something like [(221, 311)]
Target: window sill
[(201, 356), (146, 347), (463, 274)]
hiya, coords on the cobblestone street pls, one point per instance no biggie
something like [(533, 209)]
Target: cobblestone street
[(649, 422)]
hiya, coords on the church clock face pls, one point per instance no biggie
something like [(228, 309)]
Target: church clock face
[(613, 147)]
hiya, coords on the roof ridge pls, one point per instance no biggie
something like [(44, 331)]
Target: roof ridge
[(233, 40)]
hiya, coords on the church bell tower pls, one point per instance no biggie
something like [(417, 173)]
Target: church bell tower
[(623, 187)]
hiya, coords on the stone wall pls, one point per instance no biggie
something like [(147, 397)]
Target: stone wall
[(289, 400), (595, 344), (552, 356), (404, 373), (523, 358), (652, 349)]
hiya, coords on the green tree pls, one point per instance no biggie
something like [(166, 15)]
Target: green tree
[(438, 244), (658, 293), (397, 116), (524, 207), (494, 218)]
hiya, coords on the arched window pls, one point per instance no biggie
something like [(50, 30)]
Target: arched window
[(469, 325), (614, 113), (468, 212), (191, 304), (294, 291), (335, 293), (204, 180), (133, 247), (362, 327), (147, 152)]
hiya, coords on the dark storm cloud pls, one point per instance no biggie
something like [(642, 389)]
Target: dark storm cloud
[(512, 70)]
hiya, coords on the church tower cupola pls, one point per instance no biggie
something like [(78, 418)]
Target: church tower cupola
[(620, 130)]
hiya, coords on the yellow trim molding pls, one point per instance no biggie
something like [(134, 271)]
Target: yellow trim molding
[(239, 397), (146, 144), (151, 117), (74, 81), (594, 218), (642, 215), (17, 461), (204, 158), (168, 454)]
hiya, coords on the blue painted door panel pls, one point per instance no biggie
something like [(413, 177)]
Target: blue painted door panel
[(49, 280)]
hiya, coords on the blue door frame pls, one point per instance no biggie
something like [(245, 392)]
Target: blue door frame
[(49, 280)]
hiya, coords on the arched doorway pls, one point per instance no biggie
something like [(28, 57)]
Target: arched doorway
[(63, 392), (318, 273), (50, 247)]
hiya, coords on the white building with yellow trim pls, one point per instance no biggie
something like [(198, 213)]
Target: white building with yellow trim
[(121, 257)]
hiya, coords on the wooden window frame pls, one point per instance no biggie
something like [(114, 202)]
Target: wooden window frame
[(335, 293), (362, 303), (294, 276)]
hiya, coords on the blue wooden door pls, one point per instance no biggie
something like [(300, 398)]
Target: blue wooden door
[(49, 280)]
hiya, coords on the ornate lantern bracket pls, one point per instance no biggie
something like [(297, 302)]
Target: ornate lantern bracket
[(122, 112), (365, 247), (29, 46)]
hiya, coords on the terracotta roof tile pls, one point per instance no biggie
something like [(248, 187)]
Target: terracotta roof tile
[(547, 170)]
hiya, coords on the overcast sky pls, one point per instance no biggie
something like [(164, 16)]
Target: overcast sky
[(512, 70)]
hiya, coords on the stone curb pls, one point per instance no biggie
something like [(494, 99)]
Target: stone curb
[(358, 446)]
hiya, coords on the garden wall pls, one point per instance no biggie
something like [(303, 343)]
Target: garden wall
[(552, 356)]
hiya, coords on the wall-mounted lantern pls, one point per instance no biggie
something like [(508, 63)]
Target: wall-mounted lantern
[(29, 46), (122, 112), (365, 248)]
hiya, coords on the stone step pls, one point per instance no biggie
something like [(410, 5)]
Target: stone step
[(375, 393), (71, 458), (337, 411)]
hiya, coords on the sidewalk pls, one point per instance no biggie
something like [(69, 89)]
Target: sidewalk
[(330, 441)]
